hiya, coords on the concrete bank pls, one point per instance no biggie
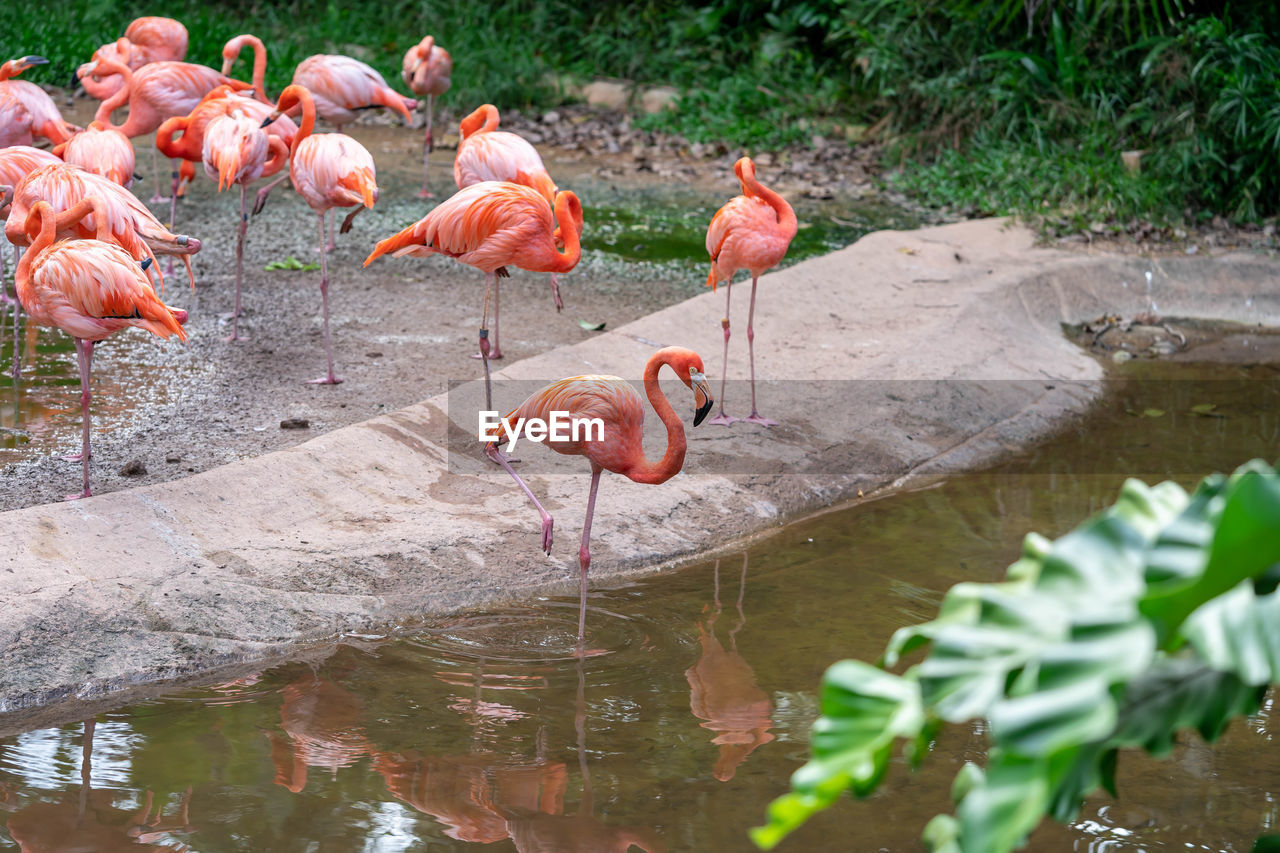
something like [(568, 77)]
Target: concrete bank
[(904, 354)]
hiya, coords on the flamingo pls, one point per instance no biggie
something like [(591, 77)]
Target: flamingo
[(90, 289), (752, 232), (131, 225), (155, 92), (328, 170), (620, 449), (103, 151), (488, 154), (16, 162), (182, 137), (26, 110), (426, 72), (235, 152), (489, 226), (146, 40), (231, 52), (341, 85)]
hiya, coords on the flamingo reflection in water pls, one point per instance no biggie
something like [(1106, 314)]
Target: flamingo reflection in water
[(92, 822), (323, 727), (723, 690)]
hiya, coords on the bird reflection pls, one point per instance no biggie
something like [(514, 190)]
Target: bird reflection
[(323, 727), (581, 832), (91, 822), (723, 690)]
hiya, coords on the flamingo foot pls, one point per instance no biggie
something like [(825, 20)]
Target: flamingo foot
[(723, 420), (75, 457), (234, 337), (426, 193), (326, 380), (755, 418), (85, 494), (494, 354), (157, 198), (547, 523)]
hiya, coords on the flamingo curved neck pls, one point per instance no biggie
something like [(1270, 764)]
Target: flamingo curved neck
[(782, 209), (308, 123), (118, 100), (673, 458), (259, 67)]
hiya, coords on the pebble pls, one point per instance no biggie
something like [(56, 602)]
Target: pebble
[(133, 468), (295, 423)]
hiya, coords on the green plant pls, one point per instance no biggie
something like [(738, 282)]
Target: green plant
[(1159, 614)]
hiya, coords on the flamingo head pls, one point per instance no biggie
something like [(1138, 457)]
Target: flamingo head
[(688, 366), (15, 67)]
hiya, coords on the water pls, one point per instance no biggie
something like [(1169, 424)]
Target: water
[(691, 714)]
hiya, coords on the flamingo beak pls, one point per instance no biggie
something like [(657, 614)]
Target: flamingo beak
[(226, 66), (701, 396), (275, 114)]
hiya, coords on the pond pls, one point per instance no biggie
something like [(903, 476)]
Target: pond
[(692, 711)]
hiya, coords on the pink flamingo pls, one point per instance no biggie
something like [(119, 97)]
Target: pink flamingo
[(328, 170), (231, 52), (25, 110), (490, 226), (488, 154), (155, 92), (182, 137), (100, 150), (16, 162), (341, 85), (146, 40), (130, 224), (236, 150), (752, 232), (90, 289), (621, 446), (426, 71)]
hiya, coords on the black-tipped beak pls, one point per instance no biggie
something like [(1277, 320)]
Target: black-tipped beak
[(145, 263), (75, 80), (34, 60), (266, 121), (138, 177), (701, 396)]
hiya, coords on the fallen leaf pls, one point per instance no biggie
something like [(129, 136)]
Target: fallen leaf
[(907, 250), (591, 327), (1206, 410), (290, 263), (1153, 413)]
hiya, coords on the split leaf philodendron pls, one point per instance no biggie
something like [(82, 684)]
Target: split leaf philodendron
[(1157, 615)]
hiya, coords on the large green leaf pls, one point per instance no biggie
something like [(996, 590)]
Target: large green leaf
[(1159, 614)]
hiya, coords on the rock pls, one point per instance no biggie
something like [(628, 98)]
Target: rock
[(550, 117), (610, 94), (172, 458), (659, 98), (133, 468), (1121, 356), (295, 423)]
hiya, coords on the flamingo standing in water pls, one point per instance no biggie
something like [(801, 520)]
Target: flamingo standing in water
[(341, 85), (488, 154), (155, 92), (146, 40), (236, 151), (328, 170), (752, 232), (621, 447), (489, 226), (90, 289), (426, 71), (26, 111), (103, 151), (16, 162)]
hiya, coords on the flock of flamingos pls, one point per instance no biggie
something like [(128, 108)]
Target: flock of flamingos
[(91, 245)]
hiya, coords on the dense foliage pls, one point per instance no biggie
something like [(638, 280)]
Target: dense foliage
[(1160, 614), (993, 106)]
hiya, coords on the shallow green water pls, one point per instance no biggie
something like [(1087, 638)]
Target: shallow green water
[(482, 730)]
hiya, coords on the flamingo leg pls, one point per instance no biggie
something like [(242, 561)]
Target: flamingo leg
[(427, 145), (721, 418), (330, 379), (484, 345), (754, 417), (155, 170), (84, 355), (16, 371), (241, 229), (584, 557), (330, 246), (173, 195), (495, 350), (548, 523), (261, 201), (555, 293)]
